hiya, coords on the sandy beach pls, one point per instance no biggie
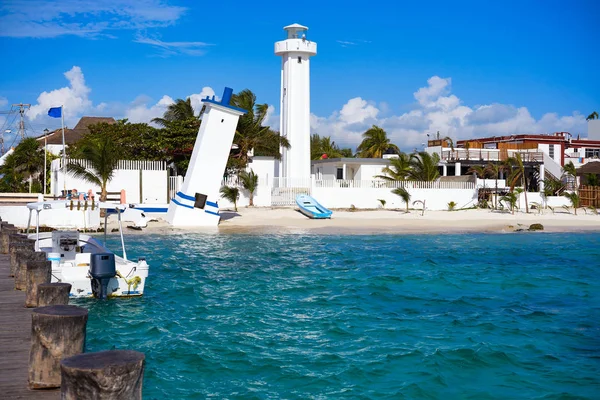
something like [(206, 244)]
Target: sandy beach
[(289, 220)]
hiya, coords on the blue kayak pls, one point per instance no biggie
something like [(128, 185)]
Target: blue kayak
[(311, 208)]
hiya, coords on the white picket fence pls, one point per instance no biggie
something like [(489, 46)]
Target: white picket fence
[(125, 164)]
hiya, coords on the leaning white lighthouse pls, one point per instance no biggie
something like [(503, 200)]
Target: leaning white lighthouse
[(295, 52)]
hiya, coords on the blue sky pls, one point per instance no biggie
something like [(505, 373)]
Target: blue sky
[(466, 68)]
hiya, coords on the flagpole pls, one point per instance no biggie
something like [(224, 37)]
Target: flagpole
[(62, 123)]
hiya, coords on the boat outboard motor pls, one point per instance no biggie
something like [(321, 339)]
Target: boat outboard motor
[(102, 269)]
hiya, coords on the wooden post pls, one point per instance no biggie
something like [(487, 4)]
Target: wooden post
[(50, 294), (7, 229), (107, 375), (57, 332), (21, 272), (37, 272), (16, 248)]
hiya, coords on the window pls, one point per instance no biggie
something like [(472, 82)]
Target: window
[(299, 60), (590, 153), (340, 173), (551, 151)]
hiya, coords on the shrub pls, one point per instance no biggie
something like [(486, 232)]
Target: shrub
[(451, 206)]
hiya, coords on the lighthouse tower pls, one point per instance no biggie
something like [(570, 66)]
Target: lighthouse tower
[(295, 52)]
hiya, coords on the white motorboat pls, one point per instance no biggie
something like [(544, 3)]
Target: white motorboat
[(84, 262)]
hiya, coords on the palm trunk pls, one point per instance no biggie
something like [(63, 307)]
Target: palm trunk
[(406, 207), (251, 199), (496, 195), (525, 187)]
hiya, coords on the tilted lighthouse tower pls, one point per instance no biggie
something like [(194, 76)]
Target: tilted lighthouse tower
[(295, 53)]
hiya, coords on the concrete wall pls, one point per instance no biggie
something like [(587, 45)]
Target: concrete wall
[(594, 129), (147, 186), (436, 199)]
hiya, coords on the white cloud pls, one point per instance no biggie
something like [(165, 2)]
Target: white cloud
[(437, 109), (3, 101), (51, 18), (139, 111), (167, 49), (74, 98)]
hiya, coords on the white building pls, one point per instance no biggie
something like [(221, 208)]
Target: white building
[(295, 52)]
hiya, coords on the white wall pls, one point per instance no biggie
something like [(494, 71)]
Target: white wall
[(436, 199), (264, 167), (154, 184), (369, 172), (61, 219), (262, 198)]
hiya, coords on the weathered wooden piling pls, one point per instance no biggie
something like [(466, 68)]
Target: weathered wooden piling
[(50, 294), (107, 375), (57, 332), (7, 230), (38, 272), (23, 258), (15, 249)]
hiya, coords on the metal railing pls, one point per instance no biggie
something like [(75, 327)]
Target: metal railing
[(125, 164), (490, 155)]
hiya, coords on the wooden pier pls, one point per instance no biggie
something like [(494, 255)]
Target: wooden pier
[(15, 341)]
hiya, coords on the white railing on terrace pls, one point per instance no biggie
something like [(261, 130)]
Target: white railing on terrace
[(381, 184), (126, 164), (237, 182), (490, 155), (174, 185)]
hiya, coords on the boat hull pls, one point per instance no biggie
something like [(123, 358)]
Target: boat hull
[(311, 208)]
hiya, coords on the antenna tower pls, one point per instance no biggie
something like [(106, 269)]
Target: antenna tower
[(22, 109)]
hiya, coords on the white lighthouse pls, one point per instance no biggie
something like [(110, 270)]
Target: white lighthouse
[(295, 52)]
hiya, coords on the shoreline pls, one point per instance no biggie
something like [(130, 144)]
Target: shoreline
[(367, 222)]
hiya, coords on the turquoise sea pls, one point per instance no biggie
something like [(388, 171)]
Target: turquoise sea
[(295, 316)]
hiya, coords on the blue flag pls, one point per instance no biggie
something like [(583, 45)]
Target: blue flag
[(55, 112)]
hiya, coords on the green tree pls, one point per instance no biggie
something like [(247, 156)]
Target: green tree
[(552, 187), (232, 194), (375, 143), (424, 166), (398, 170), (404, 195), (101, 155), (251, 135), (181, 110), (29, 158), (324, 145), (593, 115), (517, 175), (511, 199), (574, 199), (250, 183), (493, 170), (592, 180), (570, 172), (12, 180)]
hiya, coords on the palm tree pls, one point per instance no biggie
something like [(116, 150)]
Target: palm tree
[(181, 110), (510, 198), (375, 143), (571, 172), (493, 170), (404, 195), (232, 194), (450, 142), (518, 174), (593, 115), (552, 187), (250, 183), (251, 135), (424, 166), (574, 199), (398, 170), (29, 159), (102, 156)]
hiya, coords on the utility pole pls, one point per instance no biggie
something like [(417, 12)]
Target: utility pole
[(22, 109)]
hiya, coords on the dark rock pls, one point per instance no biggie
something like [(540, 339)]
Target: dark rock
[(536, 227)]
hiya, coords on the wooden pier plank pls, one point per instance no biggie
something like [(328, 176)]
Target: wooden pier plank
[(15, 341)]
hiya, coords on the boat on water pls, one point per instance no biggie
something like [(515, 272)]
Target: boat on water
[(311, 208), (85, 262)]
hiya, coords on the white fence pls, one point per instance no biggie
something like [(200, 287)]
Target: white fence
[(124, 164), (175, 183), (382, 184)]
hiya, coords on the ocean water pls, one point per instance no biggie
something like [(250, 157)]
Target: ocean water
[(469, 316)]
